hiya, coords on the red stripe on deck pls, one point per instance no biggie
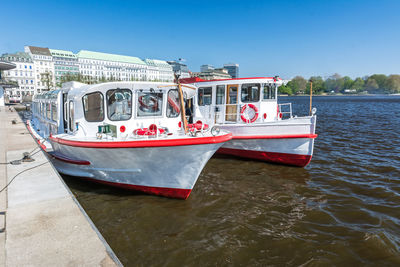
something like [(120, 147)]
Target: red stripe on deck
[(159, 191), (275, 157), (145, 143)]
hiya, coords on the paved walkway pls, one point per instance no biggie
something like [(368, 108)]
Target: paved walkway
[(41, 223)]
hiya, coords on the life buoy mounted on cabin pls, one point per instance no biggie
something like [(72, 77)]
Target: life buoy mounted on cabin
[(246, 111)]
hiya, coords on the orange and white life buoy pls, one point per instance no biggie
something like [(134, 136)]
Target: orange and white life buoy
[(249, 113)]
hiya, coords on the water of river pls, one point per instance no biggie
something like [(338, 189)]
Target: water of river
[(342, 209)]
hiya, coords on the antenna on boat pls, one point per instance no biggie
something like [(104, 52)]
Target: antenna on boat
[(183, 114), (310, 96)]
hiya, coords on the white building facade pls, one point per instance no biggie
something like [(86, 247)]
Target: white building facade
[(104, 66), (43, 67), (159, 70), (23, 75), (65, 63)]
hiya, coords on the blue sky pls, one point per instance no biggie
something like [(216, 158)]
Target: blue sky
[(285, 38)]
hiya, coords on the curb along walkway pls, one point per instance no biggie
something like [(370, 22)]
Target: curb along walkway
[(41, 222)]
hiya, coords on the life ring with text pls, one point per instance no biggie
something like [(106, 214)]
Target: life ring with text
[(249, 113)]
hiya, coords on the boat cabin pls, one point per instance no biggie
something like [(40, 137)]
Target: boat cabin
[(115, 110), (242, 100)]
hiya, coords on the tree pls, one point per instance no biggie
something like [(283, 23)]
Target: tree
[(47, 80), (297, 84), (371, 85), (318, 85), (283, 89), (380, 80), (334, 83), (393, 84), (358, 84)]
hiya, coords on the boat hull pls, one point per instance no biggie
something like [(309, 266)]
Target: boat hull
[(287, 142), (169, 171)]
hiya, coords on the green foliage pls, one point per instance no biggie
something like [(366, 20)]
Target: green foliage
[(377, 83), (285, 90)]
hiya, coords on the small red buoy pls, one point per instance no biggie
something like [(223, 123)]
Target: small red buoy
[(265, 116), (122, 129), (180, 124)]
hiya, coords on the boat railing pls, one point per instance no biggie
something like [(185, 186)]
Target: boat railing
[(286, 110)]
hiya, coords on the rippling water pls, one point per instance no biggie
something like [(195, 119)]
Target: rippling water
[(342, 209)]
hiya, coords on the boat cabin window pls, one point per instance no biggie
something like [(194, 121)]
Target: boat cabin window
[(54, 111), (93, 107), (119, 104), (149, 104), (204, 96), (48, 111), (220, 95), (268, 91), (250, 92), (173, 104), (71, 125)]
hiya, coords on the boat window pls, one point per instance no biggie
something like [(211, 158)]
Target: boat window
[(233, 94), (250, 92), (204, 96), (54, 111), (220, 94), (149, 104), (48, 112), (268, 91), (93, 107), (71, 116), (119, 104), (173, 104)]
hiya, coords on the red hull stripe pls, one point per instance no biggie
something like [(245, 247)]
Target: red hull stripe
[(312, 136), (146, 143), (68, 160), (159, 191), (28, 126), (281, 158), (192, 80)]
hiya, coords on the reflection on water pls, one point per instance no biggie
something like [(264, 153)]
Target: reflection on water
[(342, 209)]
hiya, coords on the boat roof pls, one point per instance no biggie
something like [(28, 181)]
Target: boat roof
[(80, 89), (233, 80)]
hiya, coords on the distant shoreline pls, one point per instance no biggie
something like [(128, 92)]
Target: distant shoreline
[(345, 95)]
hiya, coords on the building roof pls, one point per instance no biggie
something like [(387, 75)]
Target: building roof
[(17, 56), (43, 51), (157, 62), (62, 53), (109, 57), (6, 65)]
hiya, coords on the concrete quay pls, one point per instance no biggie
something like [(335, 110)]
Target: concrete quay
[(41, 222)]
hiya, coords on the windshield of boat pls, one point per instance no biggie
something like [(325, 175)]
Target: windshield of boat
[(119, 104), (268, 91)]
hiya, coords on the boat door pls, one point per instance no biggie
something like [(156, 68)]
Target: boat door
[(65, 111), (231, 102)]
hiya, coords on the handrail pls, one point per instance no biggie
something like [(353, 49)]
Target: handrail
[(286, 112)]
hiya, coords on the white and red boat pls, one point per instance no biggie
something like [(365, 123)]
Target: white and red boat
[(262, 129), (125, 134)]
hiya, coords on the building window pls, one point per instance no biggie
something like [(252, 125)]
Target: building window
[(268, 91), (48, 111), (119, 104), (149, 104), (250, 92), (204, 96), (93, 107), (173, 104)]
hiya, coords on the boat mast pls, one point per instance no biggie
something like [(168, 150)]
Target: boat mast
[(183, 113)]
